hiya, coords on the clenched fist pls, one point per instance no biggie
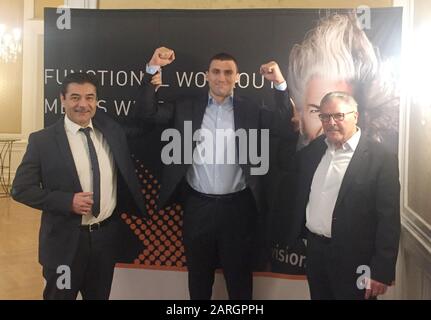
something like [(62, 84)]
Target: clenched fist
[(162, 56), (271, 71), (82, 203)]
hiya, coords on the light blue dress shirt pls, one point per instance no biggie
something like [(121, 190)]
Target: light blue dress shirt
[(214, 173)]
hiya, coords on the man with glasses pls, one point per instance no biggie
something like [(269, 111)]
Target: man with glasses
[(348, 201)]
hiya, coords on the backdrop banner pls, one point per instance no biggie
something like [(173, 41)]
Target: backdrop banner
[(115, 45)]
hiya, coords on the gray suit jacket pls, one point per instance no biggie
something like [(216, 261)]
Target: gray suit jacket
[(47, 180)]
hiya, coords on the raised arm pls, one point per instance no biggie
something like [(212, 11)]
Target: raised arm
[(280, 122), (148, 107)]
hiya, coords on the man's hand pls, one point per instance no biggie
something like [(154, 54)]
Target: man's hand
[(162, 56), (374, 288), (82, 203), (156, 80), (271, 71)]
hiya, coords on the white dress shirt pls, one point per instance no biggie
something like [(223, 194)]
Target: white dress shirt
[(108, 176), (326, 185)]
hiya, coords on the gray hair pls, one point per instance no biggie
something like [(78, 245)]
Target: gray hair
[(340, 95)]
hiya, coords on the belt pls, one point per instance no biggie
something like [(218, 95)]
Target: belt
[(319, 237), (96, 226), (226, 196)]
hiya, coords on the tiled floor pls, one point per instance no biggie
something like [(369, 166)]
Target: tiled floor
[(20, 272)]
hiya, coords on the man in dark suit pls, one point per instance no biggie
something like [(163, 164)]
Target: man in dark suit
[(347, 201), (80, 174), (221, 199)]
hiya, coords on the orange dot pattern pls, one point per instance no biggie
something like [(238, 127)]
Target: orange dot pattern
[(161, 234)]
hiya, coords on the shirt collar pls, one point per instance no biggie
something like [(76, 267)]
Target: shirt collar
[(73, 127), (228, 102), (350, 144)]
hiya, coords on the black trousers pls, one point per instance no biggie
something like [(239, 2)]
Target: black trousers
[(92, 268), (324, 279), (218, 231)]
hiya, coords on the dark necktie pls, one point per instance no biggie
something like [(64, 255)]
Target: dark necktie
[(96, 171)]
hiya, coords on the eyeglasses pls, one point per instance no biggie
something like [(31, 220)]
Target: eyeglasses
[(326, 117)]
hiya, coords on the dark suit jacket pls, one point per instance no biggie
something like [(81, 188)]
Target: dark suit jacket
[(47, 180), (366, 217), (247, 115)]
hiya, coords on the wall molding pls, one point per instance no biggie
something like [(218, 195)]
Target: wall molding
[(415, 244), (411, 220), (82, 4), (32, 90)]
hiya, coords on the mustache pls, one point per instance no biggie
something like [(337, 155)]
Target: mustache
[(81, 109)]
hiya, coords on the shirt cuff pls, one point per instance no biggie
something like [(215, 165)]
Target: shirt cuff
[(281, 87), (152, 69)]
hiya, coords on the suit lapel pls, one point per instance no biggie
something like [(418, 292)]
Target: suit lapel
[(239, 113), (313, 160), (354, 169), (63, 145), (199, 107), (110, 135), (242, 121), (198, 112)]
